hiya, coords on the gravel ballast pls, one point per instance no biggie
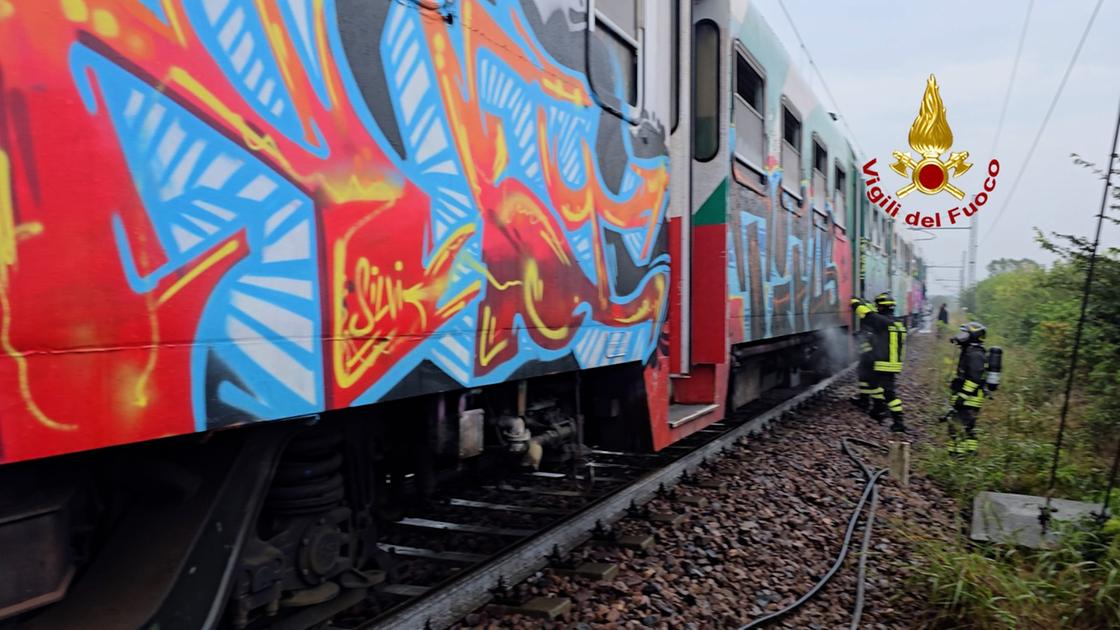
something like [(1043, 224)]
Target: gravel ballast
[(769, 535)]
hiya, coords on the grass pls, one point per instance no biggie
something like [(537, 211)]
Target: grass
[(1017, 428), (1075, 585)]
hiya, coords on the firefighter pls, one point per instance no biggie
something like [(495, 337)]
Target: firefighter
[(976, 369), (864, 372), (888, 347)]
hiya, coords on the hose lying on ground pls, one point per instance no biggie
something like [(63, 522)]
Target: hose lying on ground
[(869, 491)]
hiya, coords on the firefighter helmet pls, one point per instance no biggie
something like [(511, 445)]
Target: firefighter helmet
[(884, 301), (972, 332)]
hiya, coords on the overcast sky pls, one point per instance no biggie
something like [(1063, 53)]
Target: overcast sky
[(876, 54)]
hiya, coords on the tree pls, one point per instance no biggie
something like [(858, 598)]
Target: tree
[(1005, 265)]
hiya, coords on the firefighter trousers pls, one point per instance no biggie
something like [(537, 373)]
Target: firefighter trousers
[(866, 375), (885, 398), (966, 444)]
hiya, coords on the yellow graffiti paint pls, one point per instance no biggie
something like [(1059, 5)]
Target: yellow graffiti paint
[(140, 388), (276, 40), (353, 189), (562, 91), (521, 204), (75, 10), (487, 349), (197, 270), (449, 245), (7, 220), (501, 156), (9, 236), (105, 24), (173, 20), (494, 282), (321, 37), (534, 292), (7, 9), (456, 304), (441, 46), (468, 46)]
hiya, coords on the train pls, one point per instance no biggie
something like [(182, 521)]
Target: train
[(271, 270)]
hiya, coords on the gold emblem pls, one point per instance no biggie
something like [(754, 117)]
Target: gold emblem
[(931, 136)]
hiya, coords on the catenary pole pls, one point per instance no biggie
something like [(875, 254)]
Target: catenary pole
[(1045, 516)]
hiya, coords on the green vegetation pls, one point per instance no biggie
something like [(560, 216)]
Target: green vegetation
[(1076, 585), (1032, 313)]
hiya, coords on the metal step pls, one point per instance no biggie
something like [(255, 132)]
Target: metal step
[(683, 414)]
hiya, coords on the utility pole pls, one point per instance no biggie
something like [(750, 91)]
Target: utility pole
[(964, 267), (973, 234)]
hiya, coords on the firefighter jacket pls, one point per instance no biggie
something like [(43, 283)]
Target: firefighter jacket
[(888, 337), (863, 339), (968, 388)]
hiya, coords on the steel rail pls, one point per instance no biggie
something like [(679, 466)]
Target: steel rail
[(473, 588)]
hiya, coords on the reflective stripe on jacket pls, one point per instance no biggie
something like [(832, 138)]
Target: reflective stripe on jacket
[(888, 338)]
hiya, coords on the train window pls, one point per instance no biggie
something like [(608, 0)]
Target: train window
[(791, 148), (748, 111), (819, 182), (617, 23), (622, 15), (791, 128), (705, 90), (748, 83), (820, 157), (840, 196), (675, 60)]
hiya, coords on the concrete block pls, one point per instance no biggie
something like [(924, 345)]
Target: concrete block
[(636, 541), (1013, 518), (603, 571), (668, 518), (695, 501), (543, 607)]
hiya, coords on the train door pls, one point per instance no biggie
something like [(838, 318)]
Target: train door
[(680, 187), (700, 385)]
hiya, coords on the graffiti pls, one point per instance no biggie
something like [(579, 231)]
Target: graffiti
[(787, 268), (225, 211)]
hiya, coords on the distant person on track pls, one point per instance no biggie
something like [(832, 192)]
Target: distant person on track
[(976, 369), (888, 347), (942, 320)]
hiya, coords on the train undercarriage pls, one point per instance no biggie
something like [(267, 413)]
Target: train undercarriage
[(278, 525)]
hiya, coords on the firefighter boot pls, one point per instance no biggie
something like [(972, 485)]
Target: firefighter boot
[(969, 444), (896, 422), (878, 410)]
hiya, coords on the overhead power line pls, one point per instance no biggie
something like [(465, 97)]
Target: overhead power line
[(974, 225), (1045, 119), (1011, 81), (820, 75)]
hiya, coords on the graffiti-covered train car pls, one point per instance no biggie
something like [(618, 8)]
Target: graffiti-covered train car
[(391, 242)]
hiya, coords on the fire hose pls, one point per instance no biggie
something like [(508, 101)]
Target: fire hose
[(870, 492)]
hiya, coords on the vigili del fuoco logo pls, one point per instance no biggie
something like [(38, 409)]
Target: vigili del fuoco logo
[(931, 137)]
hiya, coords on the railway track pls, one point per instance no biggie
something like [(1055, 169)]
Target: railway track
[(462, 549)]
